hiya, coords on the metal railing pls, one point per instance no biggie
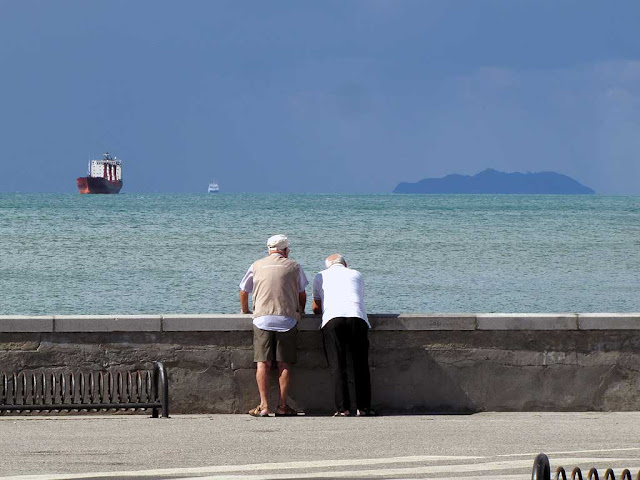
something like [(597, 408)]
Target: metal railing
[(85, 391), (542, 471)]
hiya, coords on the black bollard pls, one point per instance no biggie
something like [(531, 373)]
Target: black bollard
[(541, 468)]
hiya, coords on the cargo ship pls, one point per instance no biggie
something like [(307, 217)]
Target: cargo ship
[(105, 176)]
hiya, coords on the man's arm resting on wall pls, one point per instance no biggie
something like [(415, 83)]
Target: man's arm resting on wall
[(316, 306), (302, 300), (244, 302)]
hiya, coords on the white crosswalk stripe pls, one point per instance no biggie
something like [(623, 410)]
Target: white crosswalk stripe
[(503, 467), (487, 468)]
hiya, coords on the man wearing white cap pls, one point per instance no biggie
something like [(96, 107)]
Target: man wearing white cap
[(338, 293), (277, 284)]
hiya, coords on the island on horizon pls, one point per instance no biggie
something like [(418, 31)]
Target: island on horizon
[(494, 182)]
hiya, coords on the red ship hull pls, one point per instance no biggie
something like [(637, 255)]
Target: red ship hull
[(98, 185)]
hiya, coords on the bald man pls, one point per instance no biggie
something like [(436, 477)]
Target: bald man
[(338, 293)]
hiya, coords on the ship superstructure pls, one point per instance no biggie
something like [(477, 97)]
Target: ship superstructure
[(213, 187), (104, 176)]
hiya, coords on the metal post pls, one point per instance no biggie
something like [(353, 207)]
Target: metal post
[(541, 468), (153, 394), (164, 384), (161, 389)]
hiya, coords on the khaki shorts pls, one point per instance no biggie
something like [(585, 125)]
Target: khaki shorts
[(279, 346)]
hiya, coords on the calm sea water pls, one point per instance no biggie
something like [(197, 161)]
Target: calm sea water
[(154, 253)]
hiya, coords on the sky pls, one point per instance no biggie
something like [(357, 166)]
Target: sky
[(347, 96)]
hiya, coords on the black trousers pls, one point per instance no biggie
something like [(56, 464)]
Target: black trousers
[(340, 335)]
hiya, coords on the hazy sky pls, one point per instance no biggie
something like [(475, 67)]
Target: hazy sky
[(318, 96)]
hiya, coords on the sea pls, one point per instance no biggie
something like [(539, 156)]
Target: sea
[(187, 253)]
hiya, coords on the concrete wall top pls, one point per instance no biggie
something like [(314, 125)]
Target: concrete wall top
[(609, 321), (24, 323), (397, 322), (107, 323), (520, 321), (205, 323)]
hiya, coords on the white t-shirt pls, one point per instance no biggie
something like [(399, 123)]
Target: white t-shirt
[(274, 323), (341, 291)]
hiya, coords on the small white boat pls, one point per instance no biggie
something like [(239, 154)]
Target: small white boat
[(213, 187)]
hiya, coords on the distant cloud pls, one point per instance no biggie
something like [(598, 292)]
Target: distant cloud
[(619, 71)]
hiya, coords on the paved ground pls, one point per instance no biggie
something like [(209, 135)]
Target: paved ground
[(487, 445)]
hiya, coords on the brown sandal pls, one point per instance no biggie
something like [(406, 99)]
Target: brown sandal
[(287, 412), (259, 412)]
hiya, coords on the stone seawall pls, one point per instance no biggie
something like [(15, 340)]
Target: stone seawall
[(419, 362)]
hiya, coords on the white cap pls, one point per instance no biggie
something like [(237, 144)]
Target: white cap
[(278, 242)]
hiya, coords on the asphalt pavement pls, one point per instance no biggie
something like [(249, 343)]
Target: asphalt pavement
[(483, 446)]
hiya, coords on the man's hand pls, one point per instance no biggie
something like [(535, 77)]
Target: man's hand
[(316, 306)]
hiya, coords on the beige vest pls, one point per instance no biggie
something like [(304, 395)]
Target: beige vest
[(275, 287)]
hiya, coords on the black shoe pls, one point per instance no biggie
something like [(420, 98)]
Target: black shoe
[(342, 414), (366, 412)]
